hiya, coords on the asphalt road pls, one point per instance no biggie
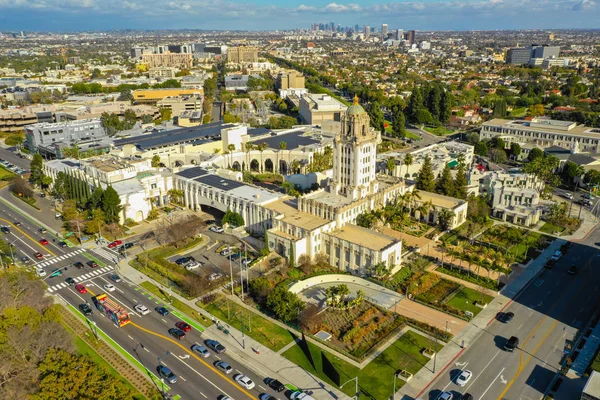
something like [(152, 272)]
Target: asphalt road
[(547, 314), (198, 378), (7, 155)]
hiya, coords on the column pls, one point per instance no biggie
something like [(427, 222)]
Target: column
[(186, 193)]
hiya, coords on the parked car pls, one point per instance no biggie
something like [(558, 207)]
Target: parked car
[(244, 381), (557, 255), (445, 396), (183, 326), (216, 229), (201, 350), (162, 311), (226, 252), (214, 276), (266, 396), (183, 260), (466, 396), (85, 309), (568, 195), (166, 374), (275, 384), (142, 309), (193, 265), (511, 343), (177, 333), (223, 367), (505, 317), (125, 246), (62, 244), (549, 264), (215, 346), (463, 378)]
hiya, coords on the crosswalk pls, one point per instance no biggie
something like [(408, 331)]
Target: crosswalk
[(54, 260), (78, 279), (107, 254)]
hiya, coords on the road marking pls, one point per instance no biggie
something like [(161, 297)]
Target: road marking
[(452, 377), (481, 372), (488, 388), (217, 357), (130, 338), (238, 371), (262, 388), (164, 321), (503, 380), (519, 326), (30, 238), (582, 308), (146, 349), (182, 378), (203, 395)]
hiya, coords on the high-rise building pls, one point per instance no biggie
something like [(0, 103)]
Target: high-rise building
[(198, 47), (136, 52), (545, 51), (399, 34), (384, 31), (410, 37), (367, 32), (518, 55), (242, 54)]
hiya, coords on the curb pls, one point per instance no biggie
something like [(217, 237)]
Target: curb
[(441, 372)]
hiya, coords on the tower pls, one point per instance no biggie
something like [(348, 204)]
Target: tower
[(355, 150)]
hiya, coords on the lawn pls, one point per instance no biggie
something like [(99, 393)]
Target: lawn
[(6, 174), (376, 379), (518, 112), (439, 130), (466, 276), (176, 303), (551, 228), (465, 300), (261, 329)]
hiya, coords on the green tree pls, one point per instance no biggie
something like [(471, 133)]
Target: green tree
[(111, 123), (292, 256), (424, 117), (497, 143), (60, 186), (497, 155), (210, 87), (425, 179), (165, 114), (500, 108), (232, 218), (535, 153), (376, 115), (390, 165), (399, 124), (460, 182), (515, 149), (446, 105), (366, 220), (445, 184), (156, 161), (14, 140), (111, 205), (285, 304), (46, 181), (434, 98), (408, 161), (415, 103), (37, 169), (481, 149), (95, 200)]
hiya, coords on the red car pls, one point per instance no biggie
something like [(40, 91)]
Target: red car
[(44, 241), (39, 256), (183, 326), (115, 244), (80, 288)]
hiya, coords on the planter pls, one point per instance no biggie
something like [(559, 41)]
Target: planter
[(405, 375), (480, 305), (428, 352)]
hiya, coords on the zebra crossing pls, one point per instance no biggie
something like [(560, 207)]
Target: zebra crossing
[(107, 254), (79, 279), (54, 260)]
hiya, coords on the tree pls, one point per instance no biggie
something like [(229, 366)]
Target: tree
[(111, 205), (425, 179), (37, 169), (285, 304), (21, 188), (390, 165), (573, 171), (60, 186), (434, 98), (515, 149), (415, 103), (46, 181), (165, 114), (210, 87), (445, 184), (399, 124), (14, 140), (111, 123), (424, 117), (156, 161), (497, 155), (408, 161), (497, 143), (481, 149), (445, 218), (536, 110), (232, 218), (500, 108), (377, 118), (460, 182), (292, 256), (125, 95), (592, 177), (366, 220), (535, 153), (446, 105)]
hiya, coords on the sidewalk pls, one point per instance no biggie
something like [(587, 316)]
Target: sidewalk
[(267, 364), (424, 378)]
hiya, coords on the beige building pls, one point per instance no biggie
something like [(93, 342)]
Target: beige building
[(175, 60), (180, 104), (242, 54), (318, 108), (153, 96), (162, 73), (290, 79), (15, 120)]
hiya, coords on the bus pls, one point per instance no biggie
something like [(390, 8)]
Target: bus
[(111, 309)]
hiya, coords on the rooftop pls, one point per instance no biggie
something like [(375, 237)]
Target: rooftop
[(110, 163), (547, 126), (363, 237), (439, 200), (324, 102), (328, 198), (294, 139), (288, 208)]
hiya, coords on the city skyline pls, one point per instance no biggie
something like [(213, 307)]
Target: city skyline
[(64, 16)]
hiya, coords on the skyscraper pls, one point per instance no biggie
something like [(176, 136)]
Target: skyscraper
[(367, 31), (384, 31), (410, 37)]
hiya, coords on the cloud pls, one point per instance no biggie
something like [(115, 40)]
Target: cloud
[(583, 5)]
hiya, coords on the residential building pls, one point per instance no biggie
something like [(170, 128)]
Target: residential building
[(50, 139), (153, 96), (162, 73), (290, 79), (317, 108), (180, 104), (543, 132), (175, 60), (242, 54)]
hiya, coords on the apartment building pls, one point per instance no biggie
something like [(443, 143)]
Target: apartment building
[(162, 73), (242, 54), (181, 104), (174, 60)]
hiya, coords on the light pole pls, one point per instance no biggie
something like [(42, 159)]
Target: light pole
[(95, 329), (10, 246), (394, 392), (168, 353), (356, 387)]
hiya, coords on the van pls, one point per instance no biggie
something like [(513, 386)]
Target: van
[(301, 396), (511, 343)]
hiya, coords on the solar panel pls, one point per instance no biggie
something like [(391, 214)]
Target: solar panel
[(219, 183), (193, 172), (70, 163)]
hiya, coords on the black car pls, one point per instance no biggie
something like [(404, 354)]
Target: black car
[(166, 374), (275, 384), (511, 343), (62, 244), (125, 246), (467, 396), (572, 270), (177, 333), (70, 281), (4, 229), (162, 311), (215, 346), (42, 194), (85, 309), (183, 260), (78, 264), (16, 223), (505, 317), (92, 264)]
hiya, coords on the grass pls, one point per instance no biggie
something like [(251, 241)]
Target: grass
[(473, 278), (261, 329), (6, 174), (465, 300), (439, 130), (376, 379), (551, 228), (29, 200), (518, 112), (176, 303)]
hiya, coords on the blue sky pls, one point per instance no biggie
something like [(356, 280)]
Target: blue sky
[(75, 15)]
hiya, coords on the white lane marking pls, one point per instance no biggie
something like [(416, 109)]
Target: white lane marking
[(519, 326), (481, 372), (202, 376), (146, 349), (262, 388), (182, 378), (217, 357), (130, 338), (203, 395), (164, 321), (488, 388), (238, 371), (77, 294)]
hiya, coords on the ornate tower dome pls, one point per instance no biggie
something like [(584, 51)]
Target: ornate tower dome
[(355, 108)]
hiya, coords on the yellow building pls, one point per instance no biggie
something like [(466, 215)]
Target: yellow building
[(290, 79), (153, 96), (175, 60), (242, 54)]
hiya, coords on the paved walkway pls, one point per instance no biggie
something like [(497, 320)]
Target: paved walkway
[(430, 316), (433, 268), (473, 331)]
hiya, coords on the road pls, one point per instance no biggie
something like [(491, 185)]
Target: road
[(7, 155), (548, 314), (198, 378)]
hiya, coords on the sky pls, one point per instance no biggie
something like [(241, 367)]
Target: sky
[(81, 15)]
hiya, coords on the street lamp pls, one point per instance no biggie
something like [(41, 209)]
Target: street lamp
[(395, 376), (356, 387), (168, 353)]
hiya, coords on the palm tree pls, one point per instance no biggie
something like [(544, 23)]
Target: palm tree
[(248, 147), (231, 149), (408, 161), (176, 195), (282, 146), (390, 165), (460, 249), (262, 147), (445, 217), (424, 209)]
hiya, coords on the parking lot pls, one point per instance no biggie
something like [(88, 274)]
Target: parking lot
[(12, 167)]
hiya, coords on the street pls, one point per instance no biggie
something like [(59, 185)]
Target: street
[(198, 377), (548, 314)]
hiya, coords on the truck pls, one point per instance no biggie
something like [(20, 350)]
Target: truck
[(111, 309)]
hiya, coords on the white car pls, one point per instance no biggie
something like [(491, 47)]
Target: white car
[(216, 229), (445, 396), (244, 381), (109, 288), (142, 309), (214, 276), (193, 265), (464, 377), (40, 272), (568, 195)]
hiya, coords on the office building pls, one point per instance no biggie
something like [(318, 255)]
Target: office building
[(384, 31), (315, 109), (367, 32), (242, 54), (290, 79), (551, 62), (518, 56), (179, 104), (50, 139), (545, 51), (198, 47), (409, 36), (181, 61), (136, 52), (399, 34), (153, 96)]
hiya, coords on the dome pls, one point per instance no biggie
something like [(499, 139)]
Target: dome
[(355, 108)]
